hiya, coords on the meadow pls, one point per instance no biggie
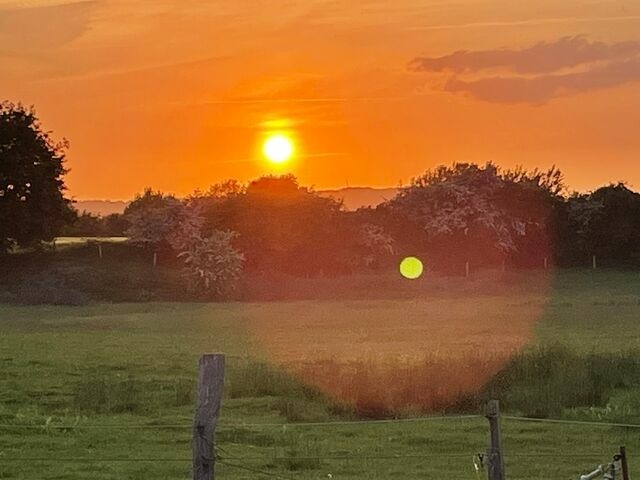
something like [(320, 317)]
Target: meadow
[(90, 391)]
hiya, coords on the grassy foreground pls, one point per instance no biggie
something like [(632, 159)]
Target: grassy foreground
[(126, 365)]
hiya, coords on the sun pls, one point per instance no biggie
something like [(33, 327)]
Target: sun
[(278, 148)]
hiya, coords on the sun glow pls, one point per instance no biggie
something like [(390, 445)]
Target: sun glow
[(278, 148)]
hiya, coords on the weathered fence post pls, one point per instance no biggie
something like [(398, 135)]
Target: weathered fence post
[(594, 262), (495, 461), (209, 396), (624, 464), (100, 251)]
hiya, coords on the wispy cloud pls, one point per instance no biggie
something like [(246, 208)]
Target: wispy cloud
[(542, 88), (37, 28), (543, 57), (529, 21), (538, 73)]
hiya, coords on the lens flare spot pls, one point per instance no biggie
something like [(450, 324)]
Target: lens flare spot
[(411, 268)]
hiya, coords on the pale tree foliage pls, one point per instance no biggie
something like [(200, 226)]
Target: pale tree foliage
[(459, 200), (188, 228), (462, 208), (153, 217), (480, 202), (211, 264), (374, 242)]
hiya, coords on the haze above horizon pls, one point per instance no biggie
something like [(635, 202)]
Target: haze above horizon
[(178, 95)]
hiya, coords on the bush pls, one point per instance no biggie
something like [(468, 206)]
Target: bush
[(211, 264)]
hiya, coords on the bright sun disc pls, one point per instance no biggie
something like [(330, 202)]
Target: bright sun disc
[(278, 148)]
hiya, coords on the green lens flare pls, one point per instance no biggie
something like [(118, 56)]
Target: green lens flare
[(411, 268)]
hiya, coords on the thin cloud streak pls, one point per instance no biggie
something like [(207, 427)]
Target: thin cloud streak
[(534, 21), (251, 101), (309, 155)]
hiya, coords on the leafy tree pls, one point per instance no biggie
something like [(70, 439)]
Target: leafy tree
[(471, 212), (605, 223), (153, 217), (371, 245), (32, 203), (211, 264), (281, 226), (114, 225)]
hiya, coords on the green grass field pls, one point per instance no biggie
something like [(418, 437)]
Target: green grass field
[(131, 369)]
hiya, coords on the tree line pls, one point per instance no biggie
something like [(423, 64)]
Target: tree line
[(448, 216)]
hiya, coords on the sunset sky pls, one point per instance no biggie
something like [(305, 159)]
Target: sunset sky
[(178, 94)]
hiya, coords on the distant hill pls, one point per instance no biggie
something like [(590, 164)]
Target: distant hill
[(100, 207), (353, 198), (356, 197)]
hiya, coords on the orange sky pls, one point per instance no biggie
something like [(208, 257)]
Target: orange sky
[(176, 94)]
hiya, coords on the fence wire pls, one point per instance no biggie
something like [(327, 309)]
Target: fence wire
[(245, 425), (241, 462), (351, 423)]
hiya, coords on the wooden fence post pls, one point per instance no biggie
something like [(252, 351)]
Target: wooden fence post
[(594, 262), (209, 396), (100, 251), (624, 464), (495, 461)]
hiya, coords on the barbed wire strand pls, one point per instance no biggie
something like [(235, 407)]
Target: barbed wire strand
[(248, 425), (92, 460), (221, 459), (571, 422), (351, 423)]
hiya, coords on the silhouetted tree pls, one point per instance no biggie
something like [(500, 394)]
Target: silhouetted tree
[(605, 223), (478, 213), (282, 227), (152, 218), (32, 203)]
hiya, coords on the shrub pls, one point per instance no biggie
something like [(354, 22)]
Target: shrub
[(212, 265)]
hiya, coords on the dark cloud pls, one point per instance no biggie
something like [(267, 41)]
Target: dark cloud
[(42, 28), (543, 57), (539, 73), (543, 88)]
